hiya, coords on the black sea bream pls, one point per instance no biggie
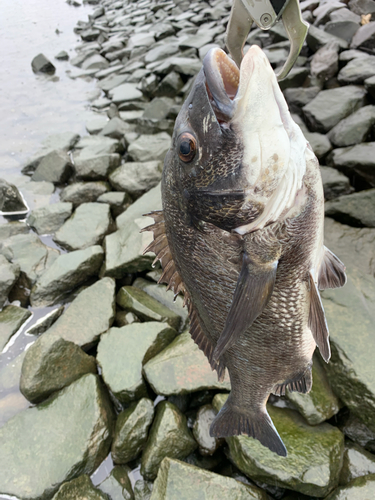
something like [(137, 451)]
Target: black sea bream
[(241, 236)]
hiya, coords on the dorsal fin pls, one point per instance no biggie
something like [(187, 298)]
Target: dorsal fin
[(317, 321), (172, 277), (331, 272)]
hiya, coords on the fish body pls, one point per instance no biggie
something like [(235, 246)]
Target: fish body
[(241, 236)]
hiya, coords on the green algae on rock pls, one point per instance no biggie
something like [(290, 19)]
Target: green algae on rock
[(49, 432), (11, 319), (361, 488), (142, 490), (117, 485), (186, 482), (169, 437), (80, 488), (314, 458)]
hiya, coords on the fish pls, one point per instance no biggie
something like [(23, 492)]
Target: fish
[(240, 235)]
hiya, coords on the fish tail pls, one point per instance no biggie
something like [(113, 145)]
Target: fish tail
[(256, 423)]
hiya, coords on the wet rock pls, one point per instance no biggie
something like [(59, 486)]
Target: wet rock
[(136, 177), (142, 490), (360, 488), (62, 56), (201, 431), (354, 129), (124, 248), (117, 485), (357, 462), (356, 159), (182, 368), (46, 321), (96, 168), (357, 209), (11, 319), (55, 167), (150, 147), (179, 480), (364, 37), (11, 200), (84, 192), (170, 85), (325, 62), (12, 228), (331, 106), (86, 227), (63, 449), (314, 458), (80, 488), (116, 128), (169, 437), (357, 70), (334, 183), (317, 38), (67, 271), (9, 274), (131, 431), (130, 347), (124, 93), (40, 64), (48, 219), (135, 300)]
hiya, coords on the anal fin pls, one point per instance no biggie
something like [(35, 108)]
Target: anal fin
[(301, 383), (253, 291), (331, 272), (317, 321)]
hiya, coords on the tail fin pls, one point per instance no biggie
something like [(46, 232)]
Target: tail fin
[(258, 425)]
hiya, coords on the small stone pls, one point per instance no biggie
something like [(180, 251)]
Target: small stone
[(9, 274), (354, 129), (325, 62), (357, 209), (48, 219), (334, 183), (357, 71), (84, 192), (11, 320), (67, 272), (40, 64), (46, 321), (360, 488), (356, 159), (150, 147), (169, 437), (124, 93), (80, 488), (11, 200), (364, 37), (55, 167), (201, 431), (131, 431), (357, 462), (116, 128), (117, 486), (136, 177), (62, 56), (182, 368), (96, 168), (122, 352)]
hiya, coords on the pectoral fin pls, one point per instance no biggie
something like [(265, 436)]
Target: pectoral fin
[(331, 272), (253, 291), (317, 322)]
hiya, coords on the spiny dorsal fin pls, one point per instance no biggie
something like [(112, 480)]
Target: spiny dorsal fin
[(300, 383), (317, 321), (332, 271)]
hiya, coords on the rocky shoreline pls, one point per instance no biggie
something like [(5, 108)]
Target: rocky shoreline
[(114, 381)]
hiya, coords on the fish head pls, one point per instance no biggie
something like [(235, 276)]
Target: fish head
[(235, 147)]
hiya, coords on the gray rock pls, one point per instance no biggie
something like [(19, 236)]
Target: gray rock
[(342, 29), (90, 34), (96, 124), (161, 52), (361, 6), (62, 56), (142, 490), (145, 39), (357, 462), (86, 227), (344, 14), (354, 129), (67, 272), (40, 64), (55, 167), (117, 485), (358, 489), (334, 183), (195, 41), (170, 85), (11, 200), (37, 194), (325, 62), (96, 168), (316, 38), (322, 12), (122, 352), (45, 322), (95, 145), (299, 96), (112, 81), (80, 488), (116, 128), (370, 85), (63, 449), (84, 192), (95, 61), (201, 431), (9, 274), (295, 78), (357, 209), (183, 65), (124, 93), (117, 201), (11, 319), (158, 109), (136, 177), (319, 142), (12, 228), (357, 70), (358, 159), (48, 219), (364, 38), (331, 106), (150, 147)]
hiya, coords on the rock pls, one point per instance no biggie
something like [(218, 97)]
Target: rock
[(40, 64), (314, 458), (80, 488), (96, 124), (316, 38), (361, 6), (179, 480), (351, 320), (124, 93), (135, 300), (55, 167), (357, 209), (182, 368), (11, 319), (96, 145), (299, 96), (63, 449), (116, 128), (182, 65), (357, 431), (142, 490), (334, 183), (125, 318), (201, 431), (136, 177), (48, 219), (130, 347), (370, 85), (90, 34), (364, 37), (86, 227), (67, 272), (344, 14), (150, 147), (170, 85), (84, 192), (95, 61), (360, 488), (342, 29), (322, 12), (9, 274), (117, 201), (357, 462), (117, 485), (319, 143), (357, 70), (354, 129), (331, 106), (112, 81), (295, 78), (124, 248), (46, 321), (356, 159), (131, 431), (169, 437), (96, 168), (160, 52), (325, 62), (12, 228), (62, 56), (158, 109), (11, 200), (320, 403)]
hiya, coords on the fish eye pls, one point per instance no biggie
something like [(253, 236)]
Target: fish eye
[(187, 147)]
